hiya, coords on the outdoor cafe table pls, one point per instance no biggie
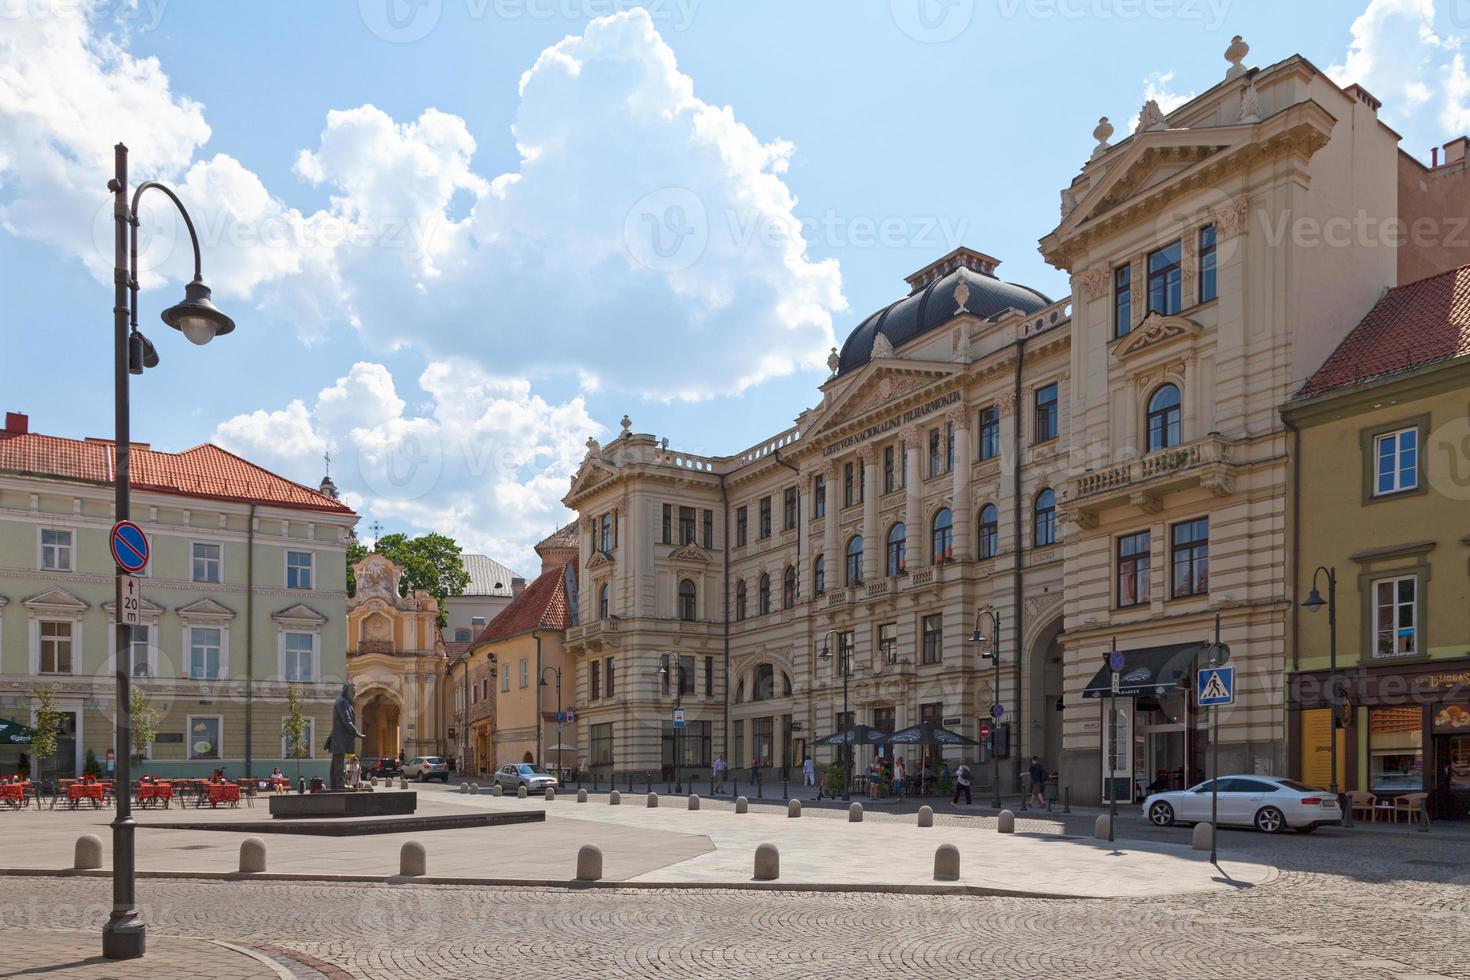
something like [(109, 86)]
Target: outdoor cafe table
[(76, 792), (155, 793), (14, 794), (216, 793)]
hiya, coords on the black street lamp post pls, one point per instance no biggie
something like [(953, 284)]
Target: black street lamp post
[(125, 937), (1313, 603), (994, 656), (846, 668), (541, 682)]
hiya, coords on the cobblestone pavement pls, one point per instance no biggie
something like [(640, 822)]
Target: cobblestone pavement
[(1345, 905), (78, 956)]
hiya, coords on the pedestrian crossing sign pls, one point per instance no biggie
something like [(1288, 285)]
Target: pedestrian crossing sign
[(1216, 686)]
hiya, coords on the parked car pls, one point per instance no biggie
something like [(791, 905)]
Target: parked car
[(524, 774), (1268, 803), (426, 767), (386, 766)]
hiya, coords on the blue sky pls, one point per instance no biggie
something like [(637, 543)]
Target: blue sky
[(498, 297)]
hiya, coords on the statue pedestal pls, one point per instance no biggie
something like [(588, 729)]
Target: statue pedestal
[(343, 804)]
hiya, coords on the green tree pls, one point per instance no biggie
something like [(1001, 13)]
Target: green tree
[(90, 765), (48, 727), (430, 562), (144, 724), (294, 728)]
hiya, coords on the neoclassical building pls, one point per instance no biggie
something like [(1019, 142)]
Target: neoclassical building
[(1105, 470), (396, 658)]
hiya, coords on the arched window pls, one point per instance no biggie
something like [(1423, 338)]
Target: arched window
[(461, 636), (855, 561), (686, 601), (1044, 531), (897, 545), (788, 588), (604, 602), (763, 594), (785, 684), (764, 687), (943, 536), (819, 576), (989, 531), (1163, 418), (740, 609)]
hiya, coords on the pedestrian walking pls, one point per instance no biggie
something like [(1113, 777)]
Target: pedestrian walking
[(898, 777), (809, 773), (755, 772), (875, 776), (1037, 772), (721, 766), (962, 785)]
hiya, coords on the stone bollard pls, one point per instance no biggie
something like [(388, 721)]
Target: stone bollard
[(742, 805), (1005, 823), (403, 784), (589, 863), (1204, 836), (652, 801), (521, 792), (855, 813), (88, 854), (1100, 827), (694, 801), (412, 861), (614, 798), (767, 863), (464, 787), (495, 790), (252, 855), (474, 789), (926, 816), (947, 863), (793, 808), (550, 794), (581, 796)]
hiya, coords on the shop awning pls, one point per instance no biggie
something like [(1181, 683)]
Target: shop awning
[(1149, 670), (14, 733)]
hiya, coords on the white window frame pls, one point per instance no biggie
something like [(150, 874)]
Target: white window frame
[(73, 651), (149, 651), (1397, 436), (525, 674), (310, 740), (316, 655), (220, 561), (1393, 582), (189, 739), (310, 569), (188, 650), (505, 678), (71, 548)]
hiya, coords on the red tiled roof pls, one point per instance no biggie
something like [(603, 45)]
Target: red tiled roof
[(543, 606), (1411, 326), (204, 471)]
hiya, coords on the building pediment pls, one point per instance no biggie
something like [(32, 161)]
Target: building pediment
[(1152, 160), (206, 611), (1154, 332), (376, 577), (879, 386), (55, 602), (599, 559), (299, 615), (690, 552)]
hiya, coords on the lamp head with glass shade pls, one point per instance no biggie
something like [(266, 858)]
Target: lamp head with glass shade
[(1314, 601), (197, 318)]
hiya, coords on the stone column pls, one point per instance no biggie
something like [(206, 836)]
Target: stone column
[(803, 533), (913, 498), (963, 504), (1132, 423), (830, 543), (1190, 400), (872, 533)]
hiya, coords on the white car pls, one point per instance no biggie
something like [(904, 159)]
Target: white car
[(426, 767), (1268, 803)]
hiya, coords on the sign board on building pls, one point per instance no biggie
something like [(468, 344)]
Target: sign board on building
[(678, 717), (129, 546), (129, 601)]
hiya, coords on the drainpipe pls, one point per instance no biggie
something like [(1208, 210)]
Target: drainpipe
[(250, 642), (537, 684), (725, 615), (1018, 606), (1293, 565)]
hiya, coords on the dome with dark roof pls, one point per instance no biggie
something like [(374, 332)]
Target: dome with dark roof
[(933, 303)]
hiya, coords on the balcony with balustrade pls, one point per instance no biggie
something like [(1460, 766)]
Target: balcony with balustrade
[(1145, 480)]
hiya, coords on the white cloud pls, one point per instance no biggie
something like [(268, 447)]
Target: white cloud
[(1456, 115), (1157, 87), (1393, 53), (487, 462)]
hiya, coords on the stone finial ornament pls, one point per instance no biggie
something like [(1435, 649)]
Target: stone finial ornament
[(1102, 134), (1235, 54), (1150, 118), (961, 297), (1069, 202), (882, 346), (833, 361), (1250, 103), (592, 445), (627, 425)]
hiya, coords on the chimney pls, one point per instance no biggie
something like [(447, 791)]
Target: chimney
[(1433, 157), (17, 423), (517, 586), (1455, 149)]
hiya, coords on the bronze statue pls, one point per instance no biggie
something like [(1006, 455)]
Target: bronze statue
[(343, 740)]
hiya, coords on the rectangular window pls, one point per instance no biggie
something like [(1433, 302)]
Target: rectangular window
[(665, 671), (819, 496), (989, 432), (738, 741), (903, 463), (298, 569), (298, 657), (1396, 462), (686, 525), (525, 674), (668, 524), (949, 447), (709, 529), (742, 526), (600, 738), (933, 638), (936, 453), (56, 548), (608, 678), (206, 562), (1190, 558), (307, 745), (1207, 285), (1396, 749), (138, 648), (204, 652), (890, 474), (888, 643), (1122, 300), (1046, 413), (1164, 277), (686, 674), (204, 737), (504, 677), (594, 680), (709, 677), (606, 533), (789, 509), (762, 740), (56, 648), (765, 518), (1133, 566), (846, 644), (1395, 617), (849, 494)]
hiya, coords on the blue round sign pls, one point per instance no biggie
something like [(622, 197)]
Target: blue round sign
[(129, 546), (996, 710), (1115, 660)]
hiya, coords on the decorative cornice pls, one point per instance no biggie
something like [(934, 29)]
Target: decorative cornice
[(1155, 329)]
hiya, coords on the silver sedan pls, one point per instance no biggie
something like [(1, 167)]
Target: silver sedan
[(1268, 803)]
